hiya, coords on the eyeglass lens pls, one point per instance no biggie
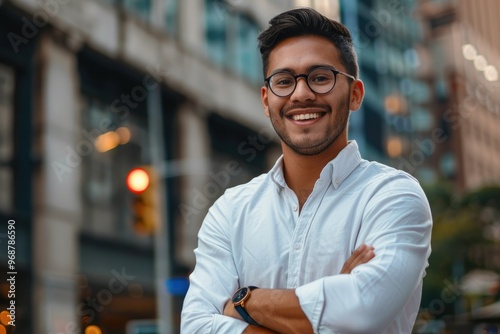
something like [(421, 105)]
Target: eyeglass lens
[(320, 80)]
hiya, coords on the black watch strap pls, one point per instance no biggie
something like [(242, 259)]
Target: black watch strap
[(244, 314)]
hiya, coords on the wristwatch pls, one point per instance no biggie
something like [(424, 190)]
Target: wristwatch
[(239, 298)]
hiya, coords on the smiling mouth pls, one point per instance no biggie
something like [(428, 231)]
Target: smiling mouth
[(306, 117)]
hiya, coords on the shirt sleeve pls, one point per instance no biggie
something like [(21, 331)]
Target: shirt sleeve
[(213, 280), (397, 222)]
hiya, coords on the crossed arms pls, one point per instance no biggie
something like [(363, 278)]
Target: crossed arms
[(288, 317)]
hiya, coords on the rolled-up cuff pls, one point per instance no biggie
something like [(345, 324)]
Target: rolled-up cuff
[(311, 298)]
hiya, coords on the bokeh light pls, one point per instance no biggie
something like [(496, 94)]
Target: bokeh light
[(92, 329), (138, 180)]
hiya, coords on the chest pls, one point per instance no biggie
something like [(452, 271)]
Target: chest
[(280, 248)]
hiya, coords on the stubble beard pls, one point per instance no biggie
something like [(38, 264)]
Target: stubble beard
[(310, 148)]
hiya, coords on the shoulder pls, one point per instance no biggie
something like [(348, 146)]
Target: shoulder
[(246, 191), (231, 206), (384, 184), (382, 176), (394, 199)]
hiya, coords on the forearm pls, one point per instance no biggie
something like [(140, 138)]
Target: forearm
[(278, 310), (258, 330)]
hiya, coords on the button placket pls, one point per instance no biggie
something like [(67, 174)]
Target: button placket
[(304, 221), (296, 248)]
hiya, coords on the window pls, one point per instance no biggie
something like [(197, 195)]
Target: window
[(147, 10), (6, 137), (247, 56), (215, 29), (140, 7), (231, 40), (171, 9), (421, 119)]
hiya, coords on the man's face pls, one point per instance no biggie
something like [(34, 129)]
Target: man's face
[(309, 123)]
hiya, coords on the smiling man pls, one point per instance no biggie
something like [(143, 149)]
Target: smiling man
[(285, 253)]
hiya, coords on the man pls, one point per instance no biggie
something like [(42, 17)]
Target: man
[(270, 252)]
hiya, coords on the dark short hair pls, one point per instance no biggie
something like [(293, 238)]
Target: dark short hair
[(306, 22)]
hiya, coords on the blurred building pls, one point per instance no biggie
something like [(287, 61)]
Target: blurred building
[(431, 82), (461, 62), (394, 113), (82, 85)]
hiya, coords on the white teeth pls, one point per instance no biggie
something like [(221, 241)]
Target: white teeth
[(303, 117)]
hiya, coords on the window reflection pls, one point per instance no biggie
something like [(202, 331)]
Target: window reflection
[(231, 39), (247, 55), (215, 28), (140, 7), (171, 10), (145, 9)]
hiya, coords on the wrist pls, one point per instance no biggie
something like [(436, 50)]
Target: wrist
[(240, 300)]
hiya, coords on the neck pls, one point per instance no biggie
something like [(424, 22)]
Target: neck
[(301, 171)]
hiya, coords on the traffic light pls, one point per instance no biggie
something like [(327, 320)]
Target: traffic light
[(141, 182)]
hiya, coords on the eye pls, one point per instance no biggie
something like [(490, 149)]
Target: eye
[(282, 80), (322, 77)]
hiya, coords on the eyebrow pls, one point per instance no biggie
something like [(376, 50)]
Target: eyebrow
[(308, 69)]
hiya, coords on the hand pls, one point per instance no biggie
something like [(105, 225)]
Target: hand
[(361, 255)]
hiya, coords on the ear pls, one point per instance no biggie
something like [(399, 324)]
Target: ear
[(357, 94), (263, 96)]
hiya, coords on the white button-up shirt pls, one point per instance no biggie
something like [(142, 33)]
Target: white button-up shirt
[(255, 235)]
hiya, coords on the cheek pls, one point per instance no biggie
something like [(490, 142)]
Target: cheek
[(274, 107)]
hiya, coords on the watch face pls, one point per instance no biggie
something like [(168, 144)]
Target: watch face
[(239, 295)]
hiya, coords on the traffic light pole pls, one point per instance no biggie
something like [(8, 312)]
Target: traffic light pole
[(161, 238)]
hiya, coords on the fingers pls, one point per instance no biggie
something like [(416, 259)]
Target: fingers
[(361, 255)]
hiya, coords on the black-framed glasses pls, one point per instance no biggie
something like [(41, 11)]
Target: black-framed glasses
[(320, 80)]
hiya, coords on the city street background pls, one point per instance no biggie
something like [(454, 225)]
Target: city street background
[(92, 90)]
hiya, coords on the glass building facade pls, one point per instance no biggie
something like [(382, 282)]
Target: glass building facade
[(395, 111)]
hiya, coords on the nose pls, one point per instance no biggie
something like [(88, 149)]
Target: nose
[(302, 91)]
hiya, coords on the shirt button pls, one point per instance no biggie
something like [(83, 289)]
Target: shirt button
[(295, 208), (296, 246)]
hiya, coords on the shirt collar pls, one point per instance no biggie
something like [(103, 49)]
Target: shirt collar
[(338, 169), (343, 164), (276, 173)]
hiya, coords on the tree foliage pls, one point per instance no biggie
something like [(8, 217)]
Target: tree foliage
[(463, 239)]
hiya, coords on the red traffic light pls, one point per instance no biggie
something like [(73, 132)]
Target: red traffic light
[(138, 180)]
